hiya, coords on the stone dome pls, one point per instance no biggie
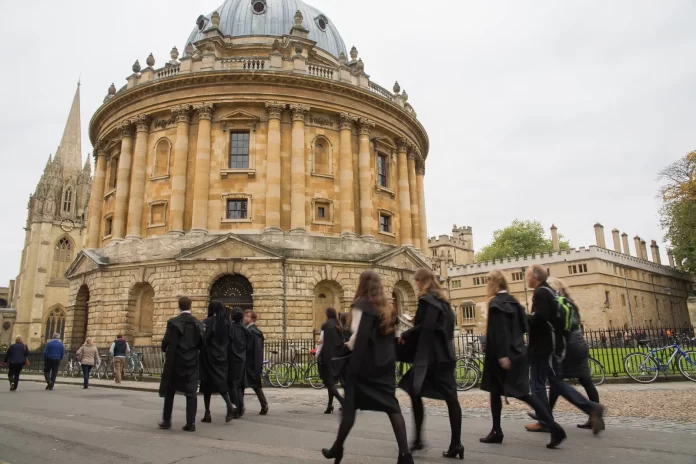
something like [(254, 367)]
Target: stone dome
[(240, 18)]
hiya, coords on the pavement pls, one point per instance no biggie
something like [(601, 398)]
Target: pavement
[(117, 425)]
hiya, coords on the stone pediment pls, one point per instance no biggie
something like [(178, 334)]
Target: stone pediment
[(400, 258), (228, 247), (240, 116), (84, 262)]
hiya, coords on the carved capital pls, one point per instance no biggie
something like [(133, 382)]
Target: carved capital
[(299, 111), (347, 121), (205, 111), (182, 113), (275, 109), (127, 128), (364, 126), (420, 168), (142, 122), (413, 151), (99, 149), (401, 144)]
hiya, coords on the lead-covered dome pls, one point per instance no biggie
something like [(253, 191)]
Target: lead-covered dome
[(240, 18)]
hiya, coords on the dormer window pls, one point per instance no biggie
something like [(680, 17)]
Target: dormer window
[(259, 6), (200, 22), (321, 21)]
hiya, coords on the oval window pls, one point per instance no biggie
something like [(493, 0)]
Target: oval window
[(259, 7), (322, 24)]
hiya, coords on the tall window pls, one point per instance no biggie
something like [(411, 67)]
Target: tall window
[(108, 222), (237, 209), (468, 315), (55, 323), (161, 164), (623, 300), (113, 172), (67, 200), (239, 150), (517, 276), (321, 157), (62, 257), (382, 170), (385, 223)]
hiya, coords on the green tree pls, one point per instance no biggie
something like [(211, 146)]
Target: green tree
[(518, 239), (678, 212)]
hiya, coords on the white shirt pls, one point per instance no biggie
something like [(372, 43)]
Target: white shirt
[(111, 350), (356, 315), (321, 343)]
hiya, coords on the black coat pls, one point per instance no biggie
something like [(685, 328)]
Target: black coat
[(332, 347), (507, 324), (237, 354), (213, 370), (431, 340), (254, 357), (369, 376), (545, 327), (182, 343), (17, 354)]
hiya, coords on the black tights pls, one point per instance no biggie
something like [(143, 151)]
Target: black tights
[(586, 383), (497, 407), (454, 410), (225, 396), (397, 422), (333, 392)]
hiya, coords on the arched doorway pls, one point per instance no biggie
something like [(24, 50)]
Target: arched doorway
[(404, 298), (234, 290), (54, 323), (141, 308), (327, 293), (81, 316)]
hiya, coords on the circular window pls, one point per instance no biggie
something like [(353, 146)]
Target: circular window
[(6, 325), (200, 22), (259, 7), (322, 24)]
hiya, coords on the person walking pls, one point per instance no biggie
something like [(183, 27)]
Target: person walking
[(181, 344), (331, 346), (236, 358), (505, 367), (432, 371), (88, 356), (254, 362), (16, 357), (53, 354), (119, 349), (370, 381), (214, 366), (547, 350)]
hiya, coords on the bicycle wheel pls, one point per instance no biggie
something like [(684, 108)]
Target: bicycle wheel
[(109, 371), (138, 374), (641, 367), (66, 369), (312, 375), (465, 375), (283, 373), (687, 365), (597, 372)]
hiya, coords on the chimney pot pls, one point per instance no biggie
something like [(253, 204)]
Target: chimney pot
[(599, 235), (655, 252), (555, 242), (616, 236)]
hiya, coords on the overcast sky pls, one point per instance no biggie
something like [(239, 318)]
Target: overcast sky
[(561, 111)]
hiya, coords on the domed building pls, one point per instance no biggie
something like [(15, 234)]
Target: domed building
[(263, 168)]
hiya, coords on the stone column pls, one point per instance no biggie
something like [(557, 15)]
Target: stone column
[(298, 198), (137, 187), (199, 223), (345, 175), (365, 178), (273, 176), (178, 196), (413, 196), (97, 197), (404, 193), (599, 235), (420, 175), (555, 242), (123, 182)]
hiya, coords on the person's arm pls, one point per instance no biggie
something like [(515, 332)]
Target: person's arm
[(354, 326), (80, 352), (321, 343), (111, 350)]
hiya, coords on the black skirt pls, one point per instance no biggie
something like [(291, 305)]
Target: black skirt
[(439, 383), (372, 394)]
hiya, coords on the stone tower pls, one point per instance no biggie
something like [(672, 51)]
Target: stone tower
[(447, 251), (55, 233)]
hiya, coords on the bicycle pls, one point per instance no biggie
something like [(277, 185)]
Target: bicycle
[(72, 368), (597, 372), (106, 368), (134, 366), (287, 373), (645, 367)]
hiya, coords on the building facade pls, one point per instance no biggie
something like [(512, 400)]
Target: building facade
[(263, 168), (611, 287), (55, 233), (451, 250)]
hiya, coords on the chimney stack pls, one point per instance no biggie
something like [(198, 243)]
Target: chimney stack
[(671, 258), (639, 250), (655, 252), (644, 249), (599, 235), (617, 240), (554, 239), (624, 240)]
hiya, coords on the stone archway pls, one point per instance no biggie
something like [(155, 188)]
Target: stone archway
[(81, 317), (327, 293), (404, 298), (234, 290), (141, 308)]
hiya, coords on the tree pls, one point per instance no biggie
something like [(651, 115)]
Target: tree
[(518, 239), (678, 212)]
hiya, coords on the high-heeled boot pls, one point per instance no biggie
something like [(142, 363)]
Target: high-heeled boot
[(406, 458), (454, 452), (207, 418), (329, 410), (335, 453), (496, 436)]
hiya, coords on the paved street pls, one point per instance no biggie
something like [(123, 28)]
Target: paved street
[(104, 425)]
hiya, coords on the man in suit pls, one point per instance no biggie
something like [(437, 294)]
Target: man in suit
[(254, 361)]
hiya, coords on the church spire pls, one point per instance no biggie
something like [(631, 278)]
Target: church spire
[(70, 149)]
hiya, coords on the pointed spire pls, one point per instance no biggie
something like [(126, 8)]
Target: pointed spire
[(70, 149), (88, 165)]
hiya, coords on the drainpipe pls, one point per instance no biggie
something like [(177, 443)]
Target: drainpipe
[(285, 300), (657, 306), (628, 297)]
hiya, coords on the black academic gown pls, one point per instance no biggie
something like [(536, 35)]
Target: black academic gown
[(214, 366), (576, 361), (254, 357), (507, 324), (332, 347), (432, 336), (239, 336), (182, 343), (370, 383)]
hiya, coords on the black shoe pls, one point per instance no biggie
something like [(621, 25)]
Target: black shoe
[(406, 458), (206, 418), (264, 410), (13, 387), (597, 419), (557, 436), (417, 445), (240, 412), (166, 425), (334, 453), (329, 410), (496, 436), (189, 428), (48, 387), (454, 452), (586, 425), (231, 414), (85, 387)]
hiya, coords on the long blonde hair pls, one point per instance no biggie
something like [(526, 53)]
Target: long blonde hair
[(559, 286), (427, 282), (496, 283)]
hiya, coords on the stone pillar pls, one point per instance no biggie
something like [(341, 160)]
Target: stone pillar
[(298, 222), (137, 188), (97, 197), (599, 235), (345, 175), (639, 250), (367, 229), (670, 255), (617, 240), (178, 196), (404, 193), (273, 176), (420, 175), (655, 252), (123, 182), (555, 242), (624, 241), (201, 186), (644, 249), (413, 196)]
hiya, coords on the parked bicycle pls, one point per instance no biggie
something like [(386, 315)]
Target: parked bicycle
[(134, 366), (287, 373), (106, 368), (268, 374), (645, 367), (72, 368)]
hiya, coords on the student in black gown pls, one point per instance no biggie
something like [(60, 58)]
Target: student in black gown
[(214, 364), (254, 361), (506, 366), (432, 371), (332, 346), (236, 355), (370, 381)]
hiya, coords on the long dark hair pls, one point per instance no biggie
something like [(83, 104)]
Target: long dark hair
[(370, 289), (332, 315), (217, 311)]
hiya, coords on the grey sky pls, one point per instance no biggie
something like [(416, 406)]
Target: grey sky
[(556, 111)]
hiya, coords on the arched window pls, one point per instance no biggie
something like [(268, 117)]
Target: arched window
[(322, 159), (161, 164), (67, 200), (62, 257), (54, 324)]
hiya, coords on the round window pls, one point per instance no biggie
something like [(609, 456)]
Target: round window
[(259, 7), (322, 23), (200, 22), (6, 325)]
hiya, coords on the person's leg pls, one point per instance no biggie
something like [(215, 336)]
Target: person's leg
[(590, 389), (47, 371), (347, 422), (544, 416), (454, 411), (496, 411), (206, 402), (399, 427), (54, 371), (191, 407), (418, 418), (553, 397), (573, 396), (118, 365), (168, 407), (539, 373), (16, 376), (262, 399), (85, 375)]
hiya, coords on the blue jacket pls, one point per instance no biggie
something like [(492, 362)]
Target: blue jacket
[(54, 350), (16, 353)]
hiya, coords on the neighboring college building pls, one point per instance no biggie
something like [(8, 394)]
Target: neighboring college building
[(449, 251), (612, 288), (262, 168)]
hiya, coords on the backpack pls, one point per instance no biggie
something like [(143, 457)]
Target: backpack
[(565, 310)]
